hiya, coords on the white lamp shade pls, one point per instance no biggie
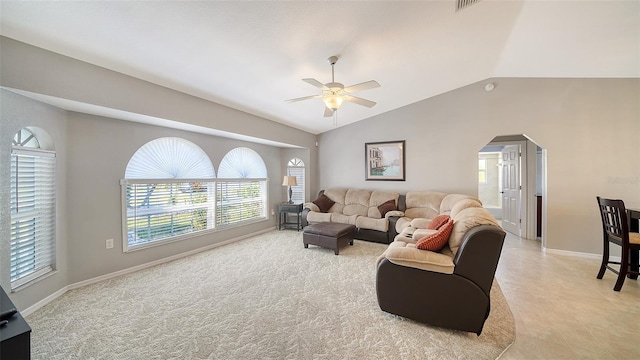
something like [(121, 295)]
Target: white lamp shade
[(289, 181)]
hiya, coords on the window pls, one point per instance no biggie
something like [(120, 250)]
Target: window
[(242, 188), (295, 167), (32, 243), (168, 193), (482, 171)]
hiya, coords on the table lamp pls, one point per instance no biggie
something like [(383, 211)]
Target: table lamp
[(289, 181)]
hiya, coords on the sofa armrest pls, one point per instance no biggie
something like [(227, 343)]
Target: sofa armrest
[(394, 213), (392, 232), (304, 221), (420, 223), (311, 206), (478, 255)]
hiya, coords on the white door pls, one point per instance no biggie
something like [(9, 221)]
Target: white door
[(511, 189)]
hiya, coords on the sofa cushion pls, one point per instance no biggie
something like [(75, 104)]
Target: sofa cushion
[(357, 197), (342, 218), (385, 207), (430, 199), (437, 240), (316, 217), (323, 203), (365, 222), (449, 201), (423, 204), (438, 222), (406, 254), (355, 209), (463, 204), (336, 194), (465, 220)]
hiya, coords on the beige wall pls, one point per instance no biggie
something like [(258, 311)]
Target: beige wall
[(93, 152), (589, 128)]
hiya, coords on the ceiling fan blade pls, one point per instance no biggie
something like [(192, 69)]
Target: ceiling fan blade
[(359, 101), (362, 86), (316, 83), (304, 98), (328, 112)]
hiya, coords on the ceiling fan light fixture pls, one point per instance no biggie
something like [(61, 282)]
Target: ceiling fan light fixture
[(333, 101), (333, 94)]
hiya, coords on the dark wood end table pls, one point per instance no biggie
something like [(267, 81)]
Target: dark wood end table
[(285, 208)]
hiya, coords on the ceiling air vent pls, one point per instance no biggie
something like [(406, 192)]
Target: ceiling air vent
[(461, 4)]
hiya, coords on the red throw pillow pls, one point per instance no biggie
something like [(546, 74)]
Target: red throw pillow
[(324, 203), (437, 240), (387, 206), (438, 221)]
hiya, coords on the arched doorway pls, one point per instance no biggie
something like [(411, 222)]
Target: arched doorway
[(512, 184)]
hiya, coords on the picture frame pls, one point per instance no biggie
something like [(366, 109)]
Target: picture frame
[(385, 160)]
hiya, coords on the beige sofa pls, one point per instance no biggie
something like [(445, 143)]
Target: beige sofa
[(360, 207), (356, 207)]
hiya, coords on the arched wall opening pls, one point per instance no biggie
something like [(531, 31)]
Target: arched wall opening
[(512, 184)]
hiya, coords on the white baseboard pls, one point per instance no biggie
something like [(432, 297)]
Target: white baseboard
[(579, 254), (33, 308)]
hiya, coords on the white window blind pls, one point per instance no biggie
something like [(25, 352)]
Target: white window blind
[(242, 188), (240, 200), (158, 211), (295, 167), (168, 193), (32, 243)]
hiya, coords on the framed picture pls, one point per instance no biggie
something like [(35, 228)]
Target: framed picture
[(384, 160)]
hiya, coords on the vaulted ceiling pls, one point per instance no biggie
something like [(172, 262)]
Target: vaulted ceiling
[(252, 55)]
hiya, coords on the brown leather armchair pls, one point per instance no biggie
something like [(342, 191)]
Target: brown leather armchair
[(459, 300)]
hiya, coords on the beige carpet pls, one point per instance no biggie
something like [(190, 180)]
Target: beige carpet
[(261, 298)]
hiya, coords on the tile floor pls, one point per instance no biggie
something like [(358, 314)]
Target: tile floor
[(562, 311)]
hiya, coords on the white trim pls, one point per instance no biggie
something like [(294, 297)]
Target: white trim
[(578, 254), (33, 308)]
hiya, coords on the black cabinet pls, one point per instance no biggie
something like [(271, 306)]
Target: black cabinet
[(15, 336)]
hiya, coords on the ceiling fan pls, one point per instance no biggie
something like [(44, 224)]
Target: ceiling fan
[(333, 94)]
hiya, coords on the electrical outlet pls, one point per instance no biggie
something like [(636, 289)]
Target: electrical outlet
[(109, 243), (273, 212)]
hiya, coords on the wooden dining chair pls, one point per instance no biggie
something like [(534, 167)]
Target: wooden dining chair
[(615, 229)]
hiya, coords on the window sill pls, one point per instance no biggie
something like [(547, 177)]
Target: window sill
[(131, 248)]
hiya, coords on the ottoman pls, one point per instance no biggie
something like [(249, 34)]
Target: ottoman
[(328, 235)]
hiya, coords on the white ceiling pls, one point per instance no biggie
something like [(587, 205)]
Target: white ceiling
[(252, 55)]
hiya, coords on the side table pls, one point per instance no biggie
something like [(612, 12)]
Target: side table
[(285, 208)]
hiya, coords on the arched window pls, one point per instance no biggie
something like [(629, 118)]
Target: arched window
[(242, 188), (168, 193), (32, 243), (295, 167)]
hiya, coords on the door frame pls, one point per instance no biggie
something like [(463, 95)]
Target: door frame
[(527, 222), (528, 172)]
